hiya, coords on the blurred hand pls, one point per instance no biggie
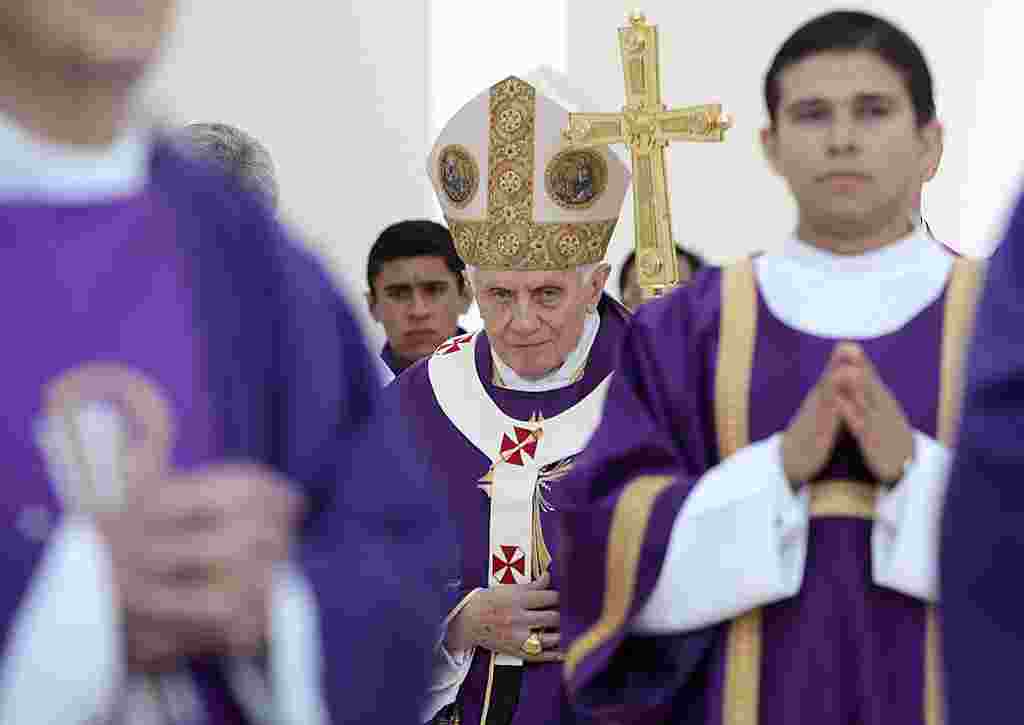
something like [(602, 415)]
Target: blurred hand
[(193, 557)]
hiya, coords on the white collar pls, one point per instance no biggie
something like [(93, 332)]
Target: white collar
[(567, 374), (32, 169), (853, 296)]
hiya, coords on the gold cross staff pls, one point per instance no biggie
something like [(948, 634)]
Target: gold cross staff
[(647, 127)]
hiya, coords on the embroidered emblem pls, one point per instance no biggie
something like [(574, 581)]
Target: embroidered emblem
[(458, 174), (506, 563), (518, 448), (515, 449), (576, 178), (133, 428), (453, 345), (522, 442)]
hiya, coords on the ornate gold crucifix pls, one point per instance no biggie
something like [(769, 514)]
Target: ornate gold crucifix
[(647, 127)]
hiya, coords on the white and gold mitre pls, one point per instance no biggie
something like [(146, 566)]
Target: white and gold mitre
[(514, 197)]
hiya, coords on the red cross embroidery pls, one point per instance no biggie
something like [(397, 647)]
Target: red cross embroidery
[(523, 440), (504, 564), (453, 345)]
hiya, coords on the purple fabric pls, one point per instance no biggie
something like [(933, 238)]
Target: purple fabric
[(195, 284), (99, 280), (983, 522), (456, 461), (843, 650)]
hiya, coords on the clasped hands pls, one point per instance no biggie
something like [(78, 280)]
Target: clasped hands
[(193, 556), (848, 394)]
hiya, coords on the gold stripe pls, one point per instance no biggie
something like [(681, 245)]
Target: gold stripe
[(487, 694), (851, 499), (625, 540), (513, 114), (961, 299), (934, 712), (736, 334), (743, 670), (541, 554), (736, 337)]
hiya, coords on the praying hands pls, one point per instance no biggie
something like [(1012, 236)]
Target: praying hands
[(849, 393)]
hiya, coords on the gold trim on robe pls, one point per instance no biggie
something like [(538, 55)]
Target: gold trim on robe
[(736, 339), (961, 299), (835, 498), (625, 541)]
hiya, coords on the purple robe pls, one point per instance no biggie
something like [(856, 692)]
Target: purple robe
[(195, 285), (982, 541), (455, 460), (843, 650)]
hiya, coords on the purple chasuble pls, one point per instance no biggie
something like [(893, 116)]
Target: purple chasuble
[(103, 283), (454, 460), (843, 650)]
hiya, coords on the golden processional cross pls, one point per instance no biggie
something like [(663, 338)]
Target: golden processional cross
[(647, 127)]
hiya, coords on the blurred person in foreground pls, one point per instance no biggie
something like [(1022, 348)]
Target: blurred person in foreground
[(190, 426)]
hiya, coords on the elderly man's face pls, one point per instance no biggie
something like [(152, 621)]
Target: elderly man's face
[(535, 319), (632, 295), (107, 36)]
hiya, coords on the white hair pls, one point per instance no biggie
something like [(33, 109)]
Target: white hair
[(235, 152), (585, 272)]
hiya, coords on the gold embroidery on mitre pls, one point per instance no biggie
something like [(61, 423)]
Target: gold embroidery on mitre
[(509, 238), (458, 175), (510, 155), (531, 246)]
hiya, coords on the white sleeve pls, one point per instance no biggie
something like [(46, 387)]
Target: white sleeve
[(63, 659), (383, 371), (450, 669), (905, 537), (296, 657), (739, 542)]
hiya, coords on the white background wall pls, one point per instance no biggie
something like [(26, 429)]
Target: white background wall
[(348, 95), (725, 200), (338, 91)]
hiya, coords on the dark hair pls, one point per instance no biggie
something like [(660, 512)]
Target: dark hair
[(414, 238), (627, 264), (235, 152), (853, 31)]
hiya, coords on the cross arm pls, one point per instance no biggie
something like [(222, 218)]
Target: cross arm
[(594, 129), (695, 123)]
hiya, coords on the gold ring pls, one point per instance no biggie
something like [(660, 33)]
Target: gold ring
[(219, 578), (532, 645)]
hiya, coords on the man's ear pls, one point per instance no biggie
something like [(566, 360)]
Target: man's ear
[(371, 304), (933, 136), (467, 292), (770, 147), (597, 281)]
